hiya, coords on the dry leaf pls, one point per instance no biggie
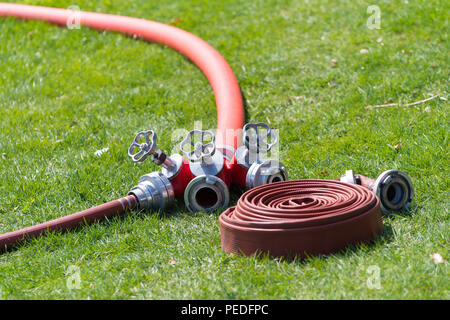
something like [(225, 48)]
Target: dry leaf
[(176, 21)]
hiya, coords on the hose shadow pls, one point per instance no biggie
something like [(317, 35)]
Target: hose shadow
[(244, 100), (383, 238)]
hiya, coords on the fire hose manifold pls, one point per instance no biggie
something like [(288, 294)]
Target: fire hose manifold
[(274, 216), (204, 176)]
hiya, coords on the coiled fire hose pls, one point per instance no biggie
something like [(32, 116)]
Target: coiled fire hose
[(300, 218), (295, 218)]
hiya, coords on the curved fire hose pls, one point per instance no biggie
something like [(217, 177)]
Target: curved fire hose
[(154, 189), (230, 107)]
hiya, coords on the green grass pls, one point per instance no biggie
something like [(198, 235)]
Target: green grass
[(66, 93)]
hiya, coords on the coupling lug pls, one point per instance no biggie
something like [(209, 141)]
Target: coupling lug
[(348, 177)]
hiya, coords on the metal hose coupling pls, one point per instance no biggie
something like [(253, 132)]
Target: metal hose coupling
[(393, 187), (208, 191), (258, 140), (154, 192)]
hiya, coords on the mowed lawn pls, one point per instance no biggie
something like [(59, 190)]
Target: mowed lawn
[(309, 68)]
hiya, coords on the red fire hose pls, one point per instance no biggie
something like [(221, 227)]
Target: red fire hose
[(300, 218), (72, 221), (230, 107)]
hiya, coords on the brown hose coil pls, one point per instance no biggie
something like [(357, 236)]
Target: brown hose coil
[(300, 218)]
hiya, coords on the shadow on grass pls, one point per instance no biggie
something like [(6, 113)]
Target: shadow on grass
[(350, 250), (386, 236)]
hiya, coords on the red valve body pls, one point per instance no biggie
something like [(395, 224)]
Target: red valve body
[(182, 179), (239, 173)]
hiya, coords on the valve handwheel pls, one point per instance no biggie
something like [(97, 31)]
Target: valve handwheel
[(203, 157), (257, 141), (199, 150), (145, 149)]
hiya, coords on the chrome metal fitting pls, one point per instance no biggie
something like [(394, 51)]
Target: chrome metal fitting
[(395, 190), (348, 177), (145, 148), (268, 171), (255, 143), (206, 193), (154, 191), (171, 165), (204, 158)]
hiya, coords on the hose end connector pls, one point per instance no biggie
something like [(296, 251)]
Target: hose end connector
[(265, 172), (206, 193), (153, 192), (395, 190)]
